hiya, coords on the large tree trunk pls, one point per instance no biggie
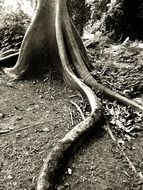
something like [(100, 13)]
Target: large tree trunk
[(52, 38)]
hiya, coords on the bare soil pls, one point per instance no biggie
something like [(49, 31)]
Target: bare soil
[(34, 115)]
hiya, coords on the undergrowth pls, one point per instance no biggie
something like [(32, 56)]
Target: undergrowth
[(13, 26)]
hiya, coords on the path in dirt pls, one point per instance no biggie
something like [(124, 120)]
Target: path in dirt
[(44, 112)]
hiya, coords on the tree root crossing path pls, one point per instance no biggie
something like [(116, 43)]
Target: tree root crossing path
[(52, 38)]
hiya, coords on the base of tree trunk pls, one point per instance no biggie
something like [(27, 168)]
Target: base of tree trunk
[(52, 38)]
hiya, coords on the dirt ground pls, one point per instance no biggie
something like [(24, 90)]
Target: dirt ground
[(34, 114)]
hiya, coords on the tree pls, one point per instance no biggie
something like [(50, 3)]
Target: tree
[(52, 38)]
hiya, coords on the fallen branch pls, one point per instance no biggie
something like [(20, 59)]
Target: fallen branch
[(71, 118), (9, 131), (5, 131), (9, 86)]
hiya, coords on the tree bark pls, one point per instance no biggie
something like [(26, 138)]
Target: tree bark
[(52, 38)]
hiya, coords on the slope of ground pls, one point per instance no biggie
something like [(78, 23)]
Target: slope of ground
[(35, 113)]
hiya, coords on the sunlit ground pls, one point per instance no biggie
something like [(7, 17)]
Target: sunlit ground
[(14, 5)]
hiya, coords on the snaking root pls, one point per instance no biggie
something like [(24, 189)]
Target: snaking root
[(59, 42)]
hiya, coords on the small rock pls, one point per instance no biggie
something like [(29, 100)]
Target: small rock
[(18, 135), (67, 185), (31, 104), (141, 165), (19, 118), (1, 115), (69, 171), (46, 129), (60, 187), (37, 91), (16, 108), (9, 176), (51, 98), (11, 128), (14, 183)]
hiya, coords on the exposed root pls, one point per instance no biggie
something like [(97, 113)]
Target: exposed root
[(84, 73), (27, 49), (87, 78), (59, 40), (59, 155)]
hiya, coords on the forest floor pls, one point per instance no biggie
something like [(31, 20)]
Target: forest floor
[(36, 113)]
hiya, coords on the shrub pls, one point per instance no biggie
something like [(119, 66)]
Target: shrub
[(13, 25)]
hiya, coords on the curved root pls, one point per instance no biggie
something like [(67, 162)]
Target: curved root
[(59, 155), (59, 39), (82, 70)]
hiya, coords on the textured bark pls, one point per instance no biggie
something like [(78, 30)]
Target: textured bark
[(48, 42), (52, 38)]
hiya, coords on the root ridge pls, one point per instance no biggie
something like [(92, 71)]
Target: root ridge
[(64, 47)]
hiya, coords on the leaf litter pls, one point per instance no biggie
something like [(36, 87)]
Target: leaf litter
[(119, 66)]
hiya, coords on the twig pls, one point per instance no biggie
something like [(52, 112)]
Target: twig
[(73, 96), (132, 166), (23, 128), (4, 132), (71, 118), (78, 108), (10, 86)]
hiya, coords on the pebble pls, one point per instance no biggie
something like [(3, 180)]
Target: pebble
[(19, 118), (18, 135), (141, 165), (9, 176), (41, 96), (46, 129), (1, 115), (60, 187), (69, 171)]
